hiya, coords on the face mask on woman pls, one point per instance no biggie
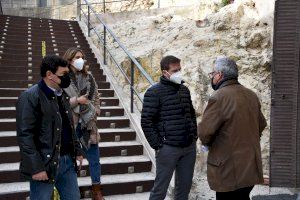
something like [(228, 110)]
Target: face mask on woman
[(78, 64)]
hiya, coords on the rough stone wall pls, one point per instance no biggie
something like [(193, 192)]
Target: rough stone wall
[(242, 30), (124, 5)]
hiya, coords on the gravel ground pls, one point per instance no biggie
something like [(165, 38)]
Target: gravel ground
[(201, 191)]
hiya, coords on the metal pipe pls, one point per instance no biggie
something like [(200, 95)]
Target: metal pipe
[(1, 11), (104, 37), (104, 6), (89, 29), (131, 86), (79, 10), (104, 45)]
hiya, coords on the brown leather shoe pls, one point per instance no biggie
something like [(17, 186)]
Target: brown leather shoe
[(97, 192)]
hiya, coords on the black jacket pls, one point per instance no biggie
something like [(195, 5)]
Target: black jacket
[(39, 126), (168, 115)]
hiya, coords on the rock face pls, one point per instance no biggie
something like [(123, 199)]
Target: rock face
[(242, 31)]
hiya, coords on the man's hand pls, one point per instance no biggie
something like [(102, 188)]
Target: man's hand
[(41, 176), (80, 159)]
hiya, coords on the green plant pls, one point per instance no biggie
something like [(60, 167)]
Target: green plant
[(225, 3)]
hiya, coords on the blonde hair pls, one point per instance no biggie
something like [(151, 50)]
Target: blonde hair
[(70, 54)]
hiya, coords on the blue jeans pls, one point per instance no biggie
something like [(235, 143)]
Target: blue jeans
[(65, 182), (93, 156)]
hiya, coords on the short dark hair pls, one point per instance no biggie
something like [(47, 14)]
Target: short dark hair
[(51, 63), (167, 60)]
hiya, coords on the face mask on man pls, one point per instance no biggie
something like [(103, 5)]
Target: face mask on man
[(65, 81), (176, 77), (78, 64), (214, 86)]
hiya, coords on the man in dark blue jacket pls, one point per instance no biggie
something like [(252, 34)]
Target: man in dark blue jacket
[(169, 124), (46, 136)]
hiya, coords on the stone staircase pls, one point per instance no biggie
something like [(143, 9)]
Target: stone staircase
[(126, 169)]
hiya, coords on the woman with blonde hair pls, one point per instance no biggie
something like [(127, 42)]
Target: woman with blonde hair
[(85, 103)]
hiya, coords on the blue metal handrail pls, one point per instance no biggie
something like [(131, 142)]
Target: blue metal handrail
[(106, 29)]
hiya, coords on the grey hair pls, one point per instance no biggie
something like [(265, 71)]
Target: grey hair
[(227, 66)]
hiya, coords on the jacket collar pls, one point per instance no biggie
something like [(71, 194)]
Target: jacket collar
[(228, 82), (166, 81), (48, 92)]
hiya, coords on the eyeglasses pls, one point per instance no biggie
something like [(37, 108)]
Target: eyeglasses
[(212, 74)]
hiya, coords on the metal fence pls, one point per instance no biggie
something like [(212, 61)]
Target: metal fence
[(107, 53)]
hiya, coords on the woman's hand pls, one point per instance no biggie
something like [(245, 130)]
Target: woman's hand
[(98, 111), (83, 100)]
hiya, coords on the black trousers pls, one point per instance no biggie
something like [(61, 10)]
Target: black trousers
[(239, 194)]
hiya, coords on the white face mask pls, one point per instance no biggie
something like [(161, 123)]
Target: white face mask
[(176, 78), (78, 64)]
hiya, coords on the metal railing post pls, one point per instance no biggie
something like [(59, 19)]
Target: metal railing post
[(104, 37), (1, 11), (131, 86), (104, 7), (79, 10), (89, 29), (104, 45)]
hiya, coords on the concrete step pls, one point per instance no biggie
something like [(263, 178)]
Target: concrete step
[(8, 101), (9, 124), (109, 111), (38, 52), (9, 172), (24, 84), (125, 168), (94, 68), (15, 92), (36, 34), (112, 185), (8, 138), (48, 39), (38, 44), (48, 42), (108, 149), (35, 78), (35, 19), (24, 47), (9, 28), (137, 196), (105, 101), (5, 54)]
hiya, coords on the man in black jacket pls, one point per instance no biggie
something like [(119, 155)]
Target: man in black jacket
[(48, 143), (169, 124)]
